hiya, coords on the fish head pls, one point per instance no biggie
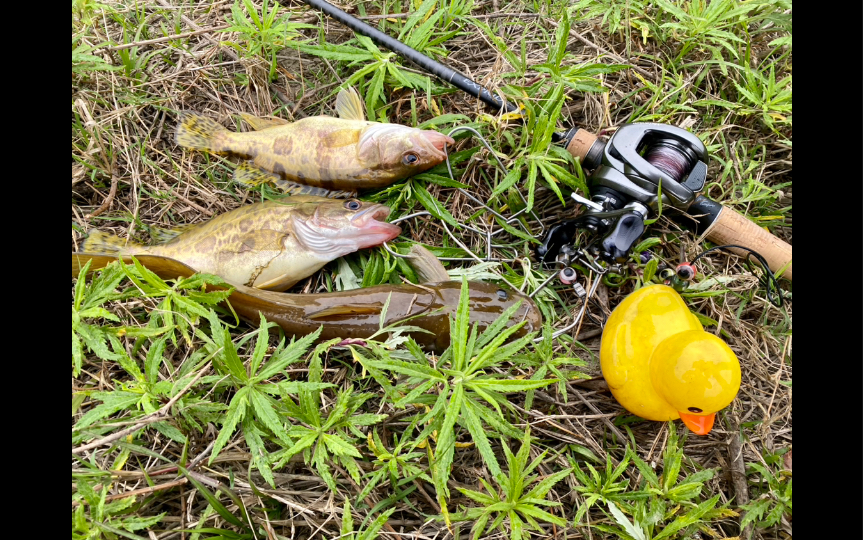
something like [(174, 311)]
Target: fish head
[(401, 151), (332, 228)]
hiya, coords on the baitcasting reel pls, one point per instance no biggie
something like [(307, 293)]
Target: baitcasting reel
[(641, 165)]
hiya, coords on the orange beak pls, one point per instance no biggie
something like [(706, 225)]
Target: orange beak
[(698, 424)]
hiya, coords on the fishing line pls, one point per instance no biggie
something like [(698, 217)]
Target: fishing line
[(767, 279)]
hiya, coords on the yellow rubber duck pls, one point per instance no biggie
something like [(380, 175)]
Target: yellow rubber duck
[(660, 364)]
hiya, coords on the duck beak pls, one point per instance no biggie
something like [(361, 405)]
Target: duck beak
[(698, 424)]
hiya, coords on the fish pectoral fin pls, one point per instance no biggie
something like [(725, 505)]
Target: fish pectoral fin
[(349, 106), (257, 123), (346, 309), (163, 236), (428, 267), (260, 240), (249, 174)]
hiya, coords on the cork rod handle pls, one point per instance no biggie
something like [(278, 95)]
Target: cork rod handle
[(731, 227)]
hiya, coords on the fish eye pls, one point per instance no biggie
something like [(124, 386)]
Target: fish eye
[(410, 158), (694, 409), (353, 204), (501, 294)]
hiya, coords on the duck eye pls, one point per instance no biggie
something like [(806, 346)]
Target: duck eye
[(502, 294), (410, 158), (353, 205), (694, 409)]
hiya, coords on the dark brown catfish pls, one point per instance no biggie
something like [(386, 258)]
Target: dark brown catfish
[(356, 313)]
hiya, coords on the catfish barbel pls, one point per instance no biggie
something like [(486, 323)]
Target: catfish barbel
[(344, 153), (267, 245), (356, 313)]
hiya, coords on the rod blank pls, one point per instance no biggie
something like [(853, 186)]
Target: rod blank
[(435, 68)]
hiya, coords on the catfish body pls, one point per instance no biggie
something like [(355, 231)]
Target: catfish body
[(268, 245), (345, 153), (356, 313)]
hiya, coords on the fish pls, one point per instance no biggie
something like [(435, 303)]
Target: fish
[(345, 153), (356, 313), (267, 245)]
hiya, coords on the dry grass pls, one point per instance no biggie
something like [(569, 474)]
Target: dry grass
[(128, 174)]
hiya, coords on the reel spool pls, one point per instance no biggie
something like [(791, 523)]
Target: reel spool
[(639, 165)]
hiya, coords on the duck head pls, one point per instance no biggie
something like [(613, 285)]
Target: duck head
[(697, 374)]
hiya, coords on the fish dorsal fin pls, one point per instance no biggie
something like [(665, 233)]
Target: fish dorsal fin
[(428, 267), (259, 124), (349, 106), (163, 236), (346, 309)]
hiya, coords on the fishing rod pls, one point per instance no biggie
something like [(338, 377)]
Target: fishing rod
[(643, 169)]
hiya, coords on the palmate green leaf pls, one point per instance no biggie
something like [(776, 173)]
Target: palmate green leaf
[(459, 328), (306, 439), (320, 462), (509, 385), (339, 411), (366, 419), (339, 446), (445, 448), (236, 413), (112, 529), (633, 531), (259, 453), (77, 354), (111, 403), (231, 361), (154, 360), (94, 338), (431, 204), (448, 118), (499, 425), (93, 312), (475, 427), (537, 513), (266, 413), (372, 531), (411, 369), (374, 91), (284, 357), (541, 489), (689, 518), (336, 52), (494, 328), (488, 352), (261, 344), (416, 16), (213, 501)]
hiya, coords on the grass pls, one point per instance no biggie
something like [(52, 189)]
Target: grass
[(188, 423)]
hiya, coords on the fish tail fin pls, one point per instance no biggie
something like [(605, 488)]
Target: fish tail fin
[(102, 242), (197, 132)]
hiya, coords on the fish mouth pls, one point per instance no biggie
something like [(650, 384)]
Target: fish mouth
[(372, 230), (437, 141)]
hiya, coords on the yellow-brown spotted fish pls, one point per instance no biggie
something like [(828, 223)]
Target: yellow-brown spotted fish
[(267, 245), (345, 153)]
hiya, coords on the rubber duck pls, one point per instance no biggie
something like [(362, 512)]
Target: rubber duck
[(661, 365)]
